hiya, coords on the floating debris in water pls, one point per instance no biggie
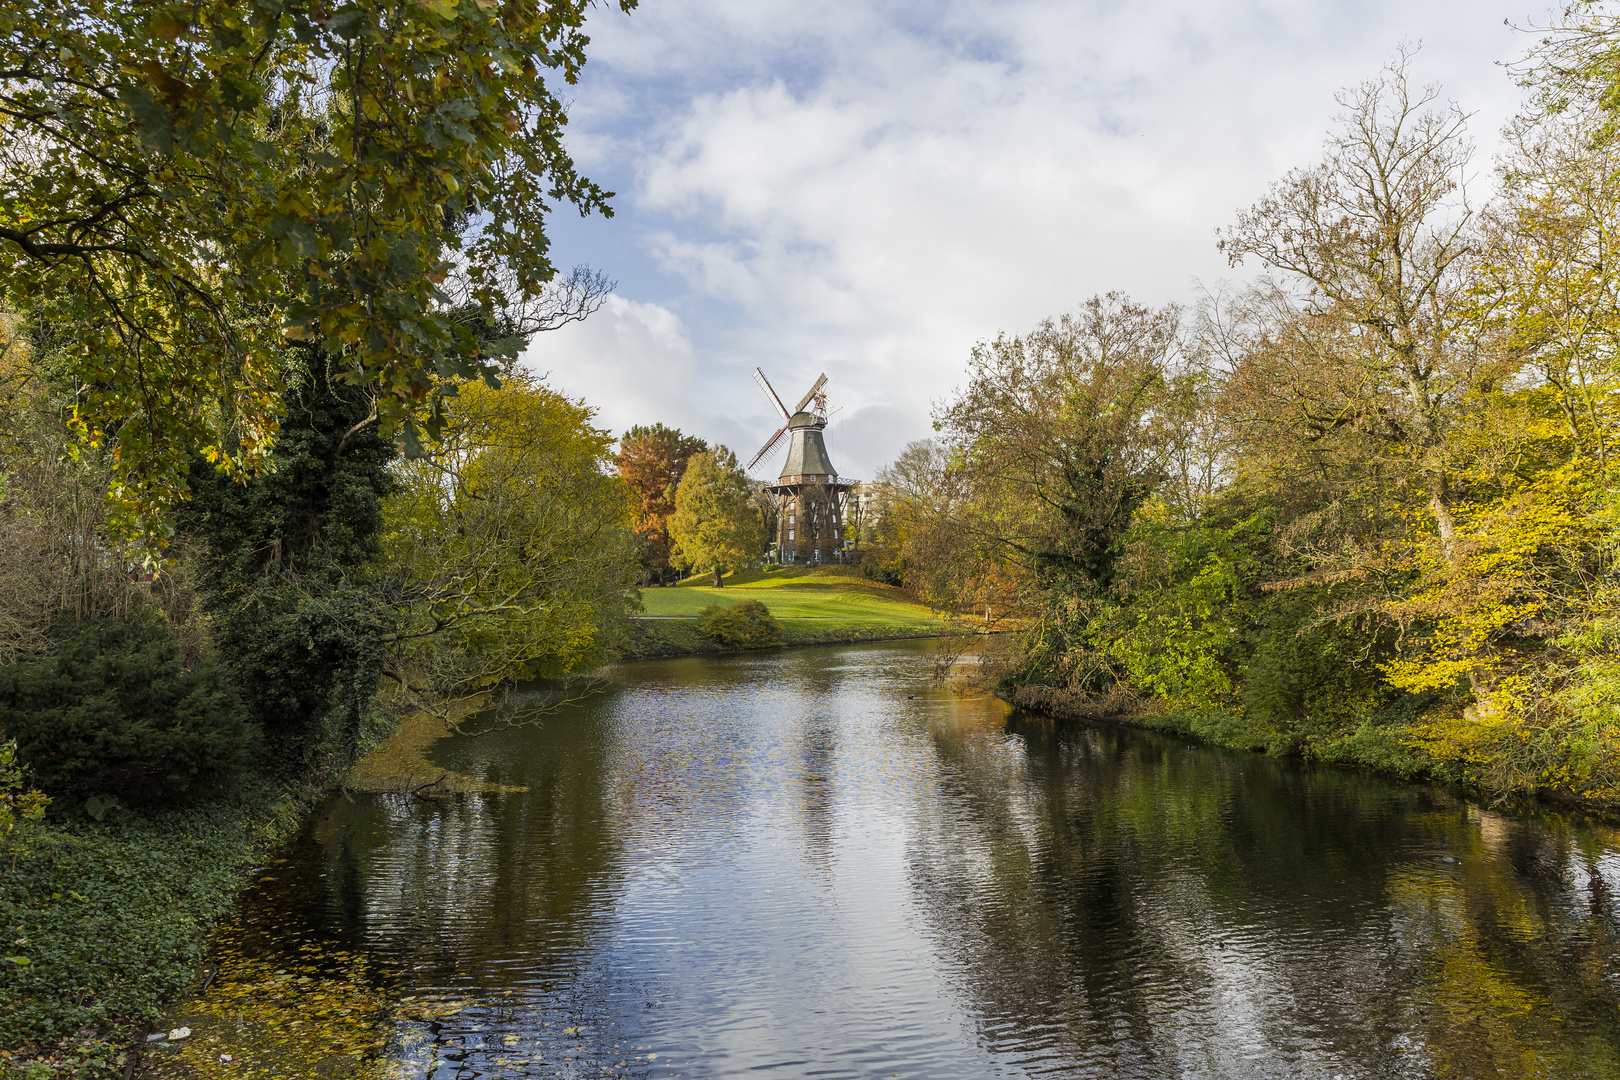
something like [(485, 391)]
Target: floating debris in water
[(304, 1010)]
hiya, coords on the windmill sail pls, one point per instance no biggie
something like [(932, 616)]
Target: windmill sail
[(819, 465), (806, 399), (766, 450), (765, 385)]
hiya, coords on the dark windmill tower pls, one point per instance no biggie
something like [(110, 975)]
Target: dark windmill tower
[(809, 494)]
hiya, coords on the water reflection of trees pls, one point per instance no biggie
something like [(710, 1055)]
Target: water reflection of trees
[(817, 768), (510, 885), (524, 883), (1111, 900)]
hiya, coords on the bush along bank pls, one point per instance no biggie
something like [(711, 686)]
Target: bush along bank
[(1207, 646)]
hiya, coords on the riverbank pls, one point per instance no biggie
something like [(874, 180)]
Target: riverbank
[(106, 921), (1381, 743), (667, 637)]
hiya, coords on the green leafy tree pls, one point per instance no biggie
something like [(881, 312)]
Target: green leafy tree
[(716, 523), (1056, 441), (184, 187)]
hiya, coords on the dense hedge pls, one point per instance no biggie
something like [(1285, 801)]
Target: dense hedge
[(112, 710)]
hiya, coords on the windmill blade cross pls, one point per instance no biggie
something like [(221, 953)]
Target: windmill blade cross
[(764, 384), (765, 450), (806, 399)]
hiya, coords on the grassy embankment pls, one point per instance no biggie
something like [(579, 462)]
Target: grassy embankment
[(104, 921), (815, 604)]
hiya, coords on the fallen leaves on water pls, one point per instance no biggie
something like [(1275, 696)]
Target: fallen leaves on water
[(321, 1012)]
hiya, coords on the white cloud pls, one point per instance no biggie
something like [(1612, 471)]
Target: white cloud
[(632, 361), (869, 189)]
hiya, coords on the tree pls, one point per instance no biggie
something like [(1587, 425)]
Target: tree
[(508, 546), (1378, 236), (1523, 607), (186, 187), (1057, 440), (1057, 431), (652, 461), (716, 523), (1551, 254), (922, 522)]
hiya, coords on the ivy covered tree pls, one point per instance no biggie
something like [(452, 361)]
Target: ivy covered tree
[(185, 187), (289, 568)]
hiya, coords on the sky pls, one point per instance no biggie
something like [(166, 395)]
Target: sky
[(869, 189)]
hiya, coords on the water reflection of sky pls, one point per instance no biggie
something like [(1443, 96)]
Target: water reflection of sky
[(819, 862)]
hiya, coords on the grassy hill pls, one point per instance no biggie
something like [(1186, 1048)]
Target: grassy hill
[(798, 592), (816, 605)]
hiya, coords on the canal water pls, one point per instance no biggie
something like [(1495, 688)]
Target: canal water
[(824, 863)]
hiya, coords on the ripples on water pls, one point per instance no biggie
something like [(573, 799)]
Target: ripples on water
[(821, 863)]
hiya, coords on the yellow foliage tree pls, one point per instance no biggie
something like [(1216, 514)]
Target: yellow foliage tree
[(510, 545)]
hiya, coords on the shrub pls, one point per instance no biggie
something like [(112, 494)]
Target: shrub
[(111, 710), (19, 804), (747, 625), (884, 568)]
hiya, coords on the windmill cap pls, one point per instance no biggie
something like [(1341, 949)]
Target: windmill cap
[(801, 420)]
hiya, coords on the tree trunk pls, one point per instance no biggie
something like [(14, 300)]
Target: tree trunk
[(1440, 506), (717, 582)]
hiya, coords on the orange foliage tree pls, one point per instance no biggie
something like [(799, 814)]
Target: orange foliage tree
[(652, 461)]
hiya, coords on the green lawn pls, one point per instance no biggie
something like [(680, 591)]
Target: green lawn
[(823, 592)]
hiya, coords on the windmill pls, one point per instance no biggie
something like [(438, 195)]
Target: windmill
[(809, 494)]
